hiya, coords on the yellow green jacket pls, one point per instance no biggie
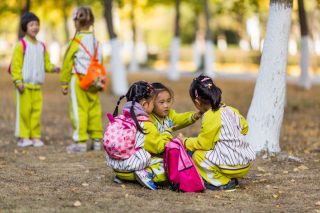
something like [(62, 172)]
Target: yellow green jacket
[(179, 120), (76, 59), (28, 66), (210, 134)]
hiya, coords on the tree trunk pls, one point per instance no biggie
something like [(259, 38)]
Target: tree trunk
[(26, 8), (133, 66), (173, 73), (196, 46), (65, 22), (304, 80), (267, 107), (119, 80), (209, 58)]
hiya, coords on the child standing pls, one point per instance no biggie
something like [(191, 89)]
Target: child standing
[(29, 63), (142, 165), (85, 109), (163, 116), (220, 151)]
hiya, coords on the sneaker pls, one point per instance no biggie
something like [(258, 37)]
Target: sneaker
[(236, 181), (230, 187), (37, 142), (145, 179), (77, 147), (96, 144), (117, 180), (24, 142)]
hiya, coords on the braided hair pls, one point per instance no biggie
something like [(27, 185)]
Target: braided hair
[(138, 91), (203, 89), (159, 87)]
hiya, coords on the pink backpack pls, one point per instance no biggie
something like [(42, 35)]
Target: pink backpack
[(120, 134), (181, 171), (24, 46)]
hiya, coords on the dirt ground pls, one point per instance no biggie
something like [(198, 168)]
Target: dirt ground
[(47, 179)]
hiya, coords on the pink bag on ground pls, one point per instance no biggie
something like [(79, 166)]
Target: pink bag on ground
[(181, 171)]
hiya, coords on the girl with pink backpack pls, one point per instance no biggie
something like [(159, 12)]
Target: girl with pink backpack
[(131, 140), (220, 152)]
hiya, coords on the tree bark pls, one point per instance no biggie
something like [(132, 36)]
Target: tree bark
[(304, 80), (173, 73), (208, 57), (267, 107), (133, 66), (119, 82), (25, 9)]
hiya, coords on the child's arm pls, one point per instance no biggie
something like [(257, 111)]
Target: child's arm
[(181, 120), (68, 61), (208, 135), (16, 65), (48, 66), (154, 141)]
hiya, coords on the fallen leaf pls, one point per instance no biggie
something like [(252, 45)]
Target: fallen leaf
[(85, 184), (259, 175), (275, 196), (292, 180), (296, 169), (77, 203), (260, 169), (16, 151), (42, 158), (318, 203), (303, 167), (285, 172), (126, 195), (123, 186), (217, 196)]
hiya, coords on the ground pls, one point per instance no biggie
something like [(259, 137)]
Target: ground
[(47, 179)]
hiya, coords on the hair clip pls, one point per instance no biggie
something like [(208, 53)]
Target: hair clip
[(209, 86), (205, 79)]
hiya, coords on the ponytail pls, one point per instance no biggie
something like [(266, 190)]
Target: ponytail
[(134, 117), (115, 112)]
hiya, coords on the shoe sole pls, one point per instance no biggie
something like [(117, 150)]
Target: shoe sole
[(143, 183)]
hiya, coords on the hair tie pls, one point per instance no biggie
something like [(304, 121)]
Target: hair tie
[(209, 86), (205, 79)]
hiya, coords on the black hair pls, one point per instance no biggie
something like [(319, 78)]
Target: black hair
[(203, 89), (26, 18), (159, 87), (138, 91)]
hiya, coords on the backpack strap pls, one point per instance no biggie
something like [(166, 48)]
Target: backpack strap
[(24, 45), (85, 49)]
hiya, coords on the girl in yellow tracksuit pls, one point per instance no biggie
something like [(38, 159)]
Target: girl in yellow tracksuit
[(85, 108), (29, 63), (163, 116), (220, 151), (144, 165)]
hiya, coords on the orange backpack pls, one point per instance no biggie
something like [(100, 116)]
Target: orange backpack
[(96, 77)]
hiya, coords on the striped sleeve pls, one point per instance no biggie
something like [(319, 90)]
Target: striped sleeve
[(243, 122), (209, 133)]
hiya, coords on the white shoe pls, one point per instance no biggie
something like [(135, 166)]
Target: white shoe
[(24, 142), (77, 147), (37, 142), (97, 145), (145, 179)]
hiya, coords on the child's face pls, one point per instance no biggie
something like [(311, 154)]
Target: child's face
[(33, 29), (148, 105), (162, 104)]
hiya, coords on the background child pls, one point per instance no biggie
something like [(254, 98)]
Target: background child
[(141, 166), (85, 110), (221, 153), (164, 116), (29, 63)]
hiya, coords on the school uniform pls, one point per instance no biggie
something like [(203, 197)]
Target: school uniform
[(28, 68), (85, 107), (149, 146), (220, 151), (180, 120)]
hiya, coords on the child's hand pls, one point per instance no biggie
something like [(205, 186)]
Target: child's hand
[(174, 128), (197, 115), (20, 88), (181, 136), (56, 69), (64, 90)]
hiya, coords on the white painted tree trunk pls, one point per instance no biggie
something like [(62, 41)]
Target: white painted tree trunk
[(304, 80), (196, 53), (267, 107), (119, 82), (173, 72), (133, 66), (209, 59)]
